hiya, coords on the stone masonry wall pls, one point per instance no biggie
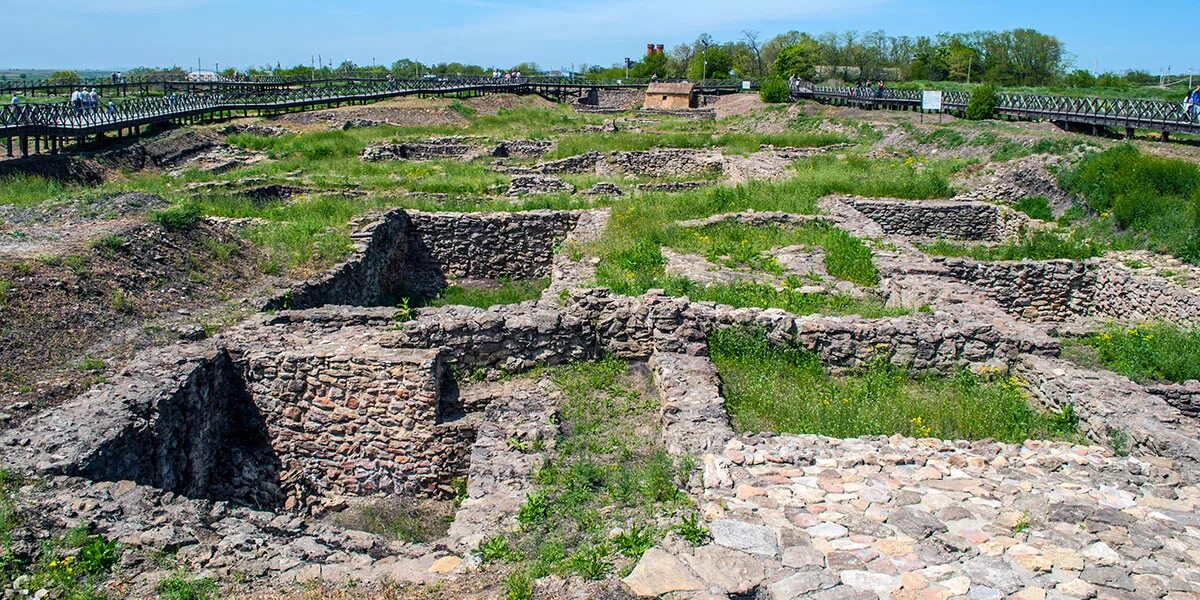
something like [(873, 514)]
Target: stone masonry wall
[(519, 245), (974, 221), (1057, 290), (640, 327), (1053, 290), (1121, 293), (401, 253), (357, 423), (373, 271), (1113, 410)]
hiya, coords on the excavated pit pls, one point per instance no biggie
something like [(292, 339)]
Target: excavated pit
[(411, 255), (294, 429)]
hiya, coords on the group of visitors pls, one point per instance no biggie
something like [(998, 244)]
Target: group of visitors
[(1191, 103), (864, 89), (84, 100), (510, 75)]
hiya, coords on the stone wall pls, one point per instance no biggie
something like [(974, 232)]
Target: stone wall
[(375, 269), (401, 253), (1114, 411), (664, 162), (519, 245), (522, 148), (1058, 290), (1121, 293), (510, 338), (974, 221), (640, 327), (357, 423), (1053, 290), (456, 148)]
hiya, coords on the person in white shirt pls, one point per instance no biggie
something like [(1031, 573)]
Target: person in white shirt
[(94, 99), (77, 99)]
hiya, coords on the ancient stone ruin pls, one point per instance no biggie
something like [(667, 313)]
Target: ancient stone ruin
[(235, 451)]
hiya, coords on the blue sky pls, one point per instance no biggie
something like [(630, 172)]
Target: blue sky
[(125, 33)]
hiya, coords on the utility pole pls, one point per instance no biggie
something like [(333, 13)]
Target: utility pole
[(704, 72), (970, 63)]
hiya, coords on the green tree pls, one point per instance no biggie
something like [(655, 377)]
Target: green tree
[(798, 60), (63, 77), (715, 62), (654, 65), (774, 90), (982, 104), (1079, 79)]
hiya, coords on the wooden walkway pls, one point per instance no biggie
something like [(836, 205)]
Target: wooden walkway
[(32, 128), (1152, 115)]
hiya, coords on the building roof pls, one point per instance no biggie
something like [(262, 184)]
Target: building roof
[(680, 88)]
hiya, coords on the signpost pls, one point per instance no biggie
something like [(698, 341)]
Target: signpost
[(931, 100)]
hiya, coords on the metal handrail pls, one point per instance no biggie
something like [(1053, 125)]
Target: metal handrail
[(1119, 111)]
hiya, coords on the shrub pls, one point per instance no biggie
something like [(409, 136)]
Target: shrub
[(982, 104), (774, 90), (1154, 201), (177, 218)]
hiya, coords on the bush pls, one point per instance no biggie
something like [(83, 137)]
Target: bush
[(774, 90), (177, 218), (982, 104), (1155, 201)]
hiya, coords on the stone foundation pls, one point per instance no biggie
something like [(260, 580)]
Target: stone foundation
[(973, 221), (410, 254)]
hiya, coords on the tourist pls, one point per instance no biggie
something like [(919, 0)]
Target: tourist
[(879, 90), (111, 108), (1194, 101), (77, 99), (15, 101), (94, 99)]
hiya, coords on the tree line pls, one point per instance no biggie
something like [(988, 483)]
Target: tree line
[(1018, 57)]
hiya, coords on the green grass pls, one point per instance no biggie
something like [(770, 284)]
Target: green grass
[(505, 291), (72, 565), (1041, 245), (739, 245), (607, 471), (756, 295), (630, 249), (736, 143), (1146, 353), (1037, 207), (1144, 201), (29, 190), (786, 389), (181, 587)]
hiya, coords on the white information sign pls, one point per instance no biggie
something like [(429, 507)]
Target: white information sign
[(745, 85), (931, 100)]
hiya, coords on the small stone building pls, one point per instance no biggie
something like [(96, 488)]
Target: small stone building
[(669, 96)]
